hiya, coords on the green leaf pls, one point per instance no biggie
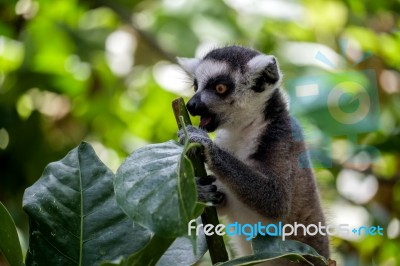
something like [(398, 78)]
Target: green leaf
[(150, 191), (74, 217), (152, 252), (266, 248), (187, 191), (9, 242), (180, 253), (148, 256)]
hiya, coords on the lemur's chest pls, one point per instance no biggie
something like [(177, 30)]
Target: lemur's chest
[(241, 142)]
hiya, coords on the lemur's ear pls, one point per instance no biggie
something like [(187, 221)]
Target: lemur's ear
[(189, 64), (265, 65)]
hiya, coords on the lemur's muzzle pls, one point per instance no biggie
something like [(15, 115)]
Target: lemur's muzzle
[(197, 107)]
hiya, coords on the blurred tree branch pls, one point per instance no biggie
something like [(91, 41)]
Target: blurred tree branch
[(126, 16)]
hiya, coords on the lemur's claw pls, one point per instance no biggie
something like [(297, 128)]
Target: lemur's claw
[(207, 192)]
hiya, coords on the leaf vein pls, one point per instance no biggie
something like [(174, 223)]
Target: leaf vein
[(51, 244)]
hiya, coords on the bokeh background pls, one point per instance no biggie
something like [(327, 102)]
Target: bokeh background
[(104, 72)]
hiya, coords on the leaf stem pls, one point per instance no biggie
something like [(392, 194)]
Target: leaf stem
[(215, 242)]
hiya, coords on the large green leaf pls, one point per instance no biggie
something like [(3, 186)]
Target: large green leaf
[(9, 242), (180, 253), (154, 191), (160, 251), (148, 256), (74, 217), (266, 248)]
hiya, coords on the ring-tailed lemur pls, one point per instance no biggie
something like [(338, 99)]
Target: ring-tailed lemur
[(256, 153)]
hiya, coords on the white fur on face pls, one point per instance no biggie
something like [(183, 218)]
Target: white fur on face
[(208, 69)]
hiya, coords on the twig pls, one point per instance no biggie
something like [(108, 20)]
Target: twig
[(215, 242)]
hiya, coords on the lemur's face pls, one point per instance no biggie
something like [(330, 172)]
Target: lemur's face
[(230, 83)]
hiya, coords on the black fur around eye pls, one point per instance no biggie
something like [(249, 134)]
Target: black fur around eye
[(221, 85)]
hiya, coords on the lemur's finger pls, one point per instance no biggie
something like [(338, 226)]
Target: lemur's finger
[(208, 193), (218, 198), (208, 180)]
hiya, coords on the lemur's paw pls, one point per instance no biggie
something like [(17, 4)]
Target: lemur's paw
[(207, 192), (195, 135)]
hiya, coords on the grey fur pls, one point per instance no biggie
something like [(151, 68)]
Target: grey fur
[(255, 156)]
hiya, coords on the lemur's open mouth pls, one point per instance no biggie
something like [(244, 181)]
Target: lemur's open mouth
[(208, 122), (205, 120)]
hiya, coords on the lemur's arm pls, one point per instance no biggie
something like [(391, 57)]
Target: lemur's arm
[(260, 189)]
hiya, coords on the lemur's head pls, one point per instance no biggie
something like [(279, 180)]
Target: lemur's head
[(230, 84)]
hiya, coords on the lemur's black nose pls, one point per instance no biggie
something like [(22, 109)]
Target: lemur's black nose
[(195, 106), (191, 106)]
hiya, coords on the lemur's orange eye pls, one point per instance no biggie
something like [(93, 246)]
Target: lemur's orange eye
[(221, 88)]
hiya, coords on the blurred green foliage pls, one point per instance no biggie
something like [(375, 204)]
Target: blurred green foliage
[(103, 71)]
